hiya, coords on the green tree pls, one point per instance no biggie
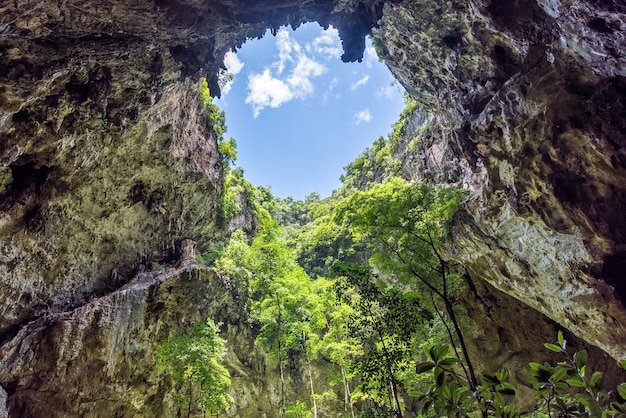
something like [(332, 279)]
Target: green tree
[(336, 343), (406, 223), (194, 362), (234, 272), (284, 303), (384, 322)]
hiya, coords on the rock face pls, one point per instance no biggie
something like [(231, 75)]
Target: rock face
[(92, 361), (528, 101), (107, 164)]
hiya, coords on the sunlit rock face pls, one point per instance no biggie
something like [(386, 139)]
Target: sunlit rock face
[(527, 107), (107, 164)]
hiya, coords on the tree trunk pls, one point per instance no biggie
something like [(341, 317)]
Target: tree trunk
[(346, 392), (392, 377), (308, 362), (283, 411), (190, 399)]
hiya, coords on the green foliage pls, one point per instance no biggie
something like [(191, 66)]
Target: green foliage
[(214, 252), (298, 410), (286, 211), (569, 389), (238, 196), (384, 321), (194, 362), (217, 119), (378, 46), (228, 150), (380, 161), (565, 389)]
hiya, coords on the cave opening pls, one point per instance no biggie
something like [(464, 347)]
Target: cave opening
[(299, 114)]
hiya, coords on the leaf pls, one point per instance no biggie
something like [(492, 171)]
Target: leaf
[(621, 391), (506, 389), (490, 378), (439, 377), (432, 353), (499, 400), (622, 363), (554, 347), (442, 351), (596, 411), (561, 340), (447, 362), (424, 367), (561, 404), (575, 382), (618, 407), (559, 373), (595, 378), (562, 385), (580, 358)]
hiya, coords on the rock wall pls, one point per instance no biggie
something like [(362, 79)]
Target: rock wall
[(525, 106), (107, 164), (97, 360)]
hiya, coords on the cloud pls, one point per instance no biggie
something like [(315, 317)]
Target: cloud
[(272, 88), (386, 92), (233, 67), (232, 63), (286, 48), (362, 116), (327, 44), (333, 83), (360, 83), (267, 91), (371, 56), (300, 78)]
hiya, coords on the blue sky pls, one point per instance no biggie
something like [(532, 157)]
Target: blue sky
[(299, 114)]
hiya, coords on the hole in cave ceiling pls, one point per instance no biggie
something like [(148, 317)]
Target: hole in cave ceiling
[(299, 114)]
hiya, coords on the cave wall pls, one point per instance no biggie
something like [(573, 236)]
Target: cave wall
[(97, 360), (523, 103), (107, 163)]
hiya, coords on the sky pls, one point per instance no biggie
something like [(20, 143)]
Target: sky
[(299, 115)]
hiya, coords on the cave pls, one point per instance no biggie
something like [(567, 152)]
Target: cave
[(108, 167)]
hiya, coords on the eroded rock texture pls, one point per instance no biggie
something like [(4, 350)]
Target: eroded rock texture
[(107, 164), (528, 99)]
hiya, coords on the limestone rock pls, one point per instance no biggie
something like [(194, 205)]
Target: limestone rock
[(526, 103)]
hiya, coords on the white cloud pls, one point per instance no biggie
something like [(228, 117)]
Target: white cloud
[(266, 91), (233, 67), (232, 63), (271, 88), (362, 116), (300, 78), (370, 56), (286, 47), (327, 44), (333, 83), (386, 92), (360, 83)]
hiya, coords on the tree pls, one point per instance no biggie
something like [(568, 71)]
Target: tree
[(285, 304), (194, 362), (407, 223), (336, 344), (384, 322)]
